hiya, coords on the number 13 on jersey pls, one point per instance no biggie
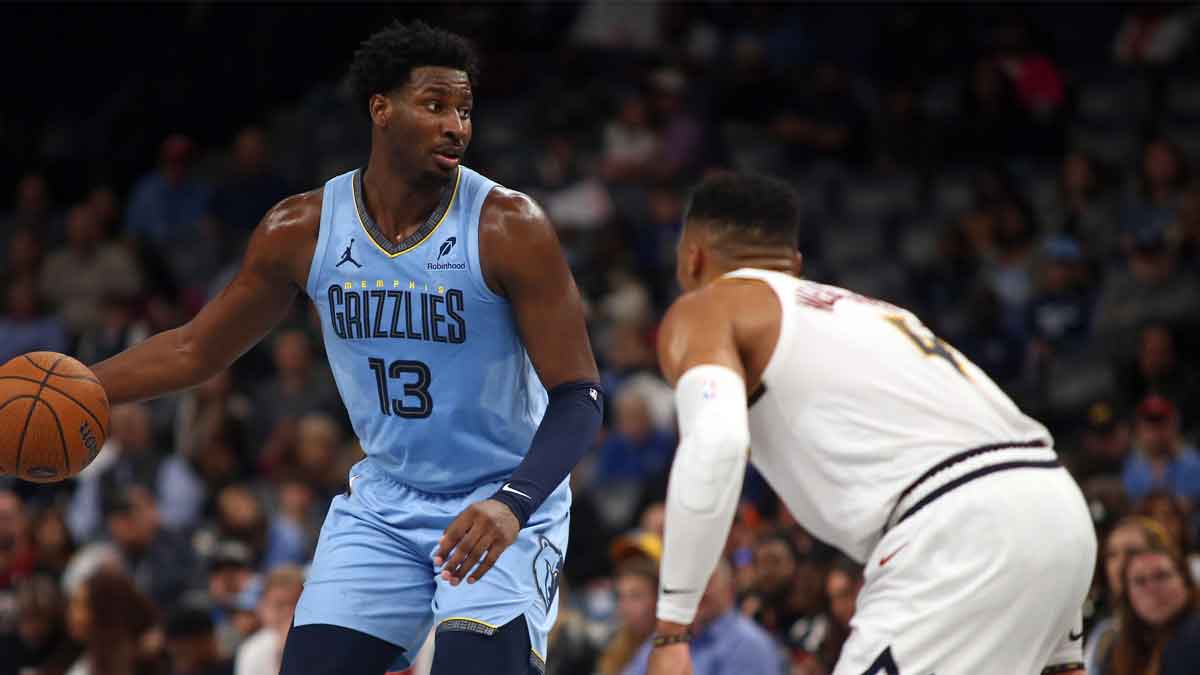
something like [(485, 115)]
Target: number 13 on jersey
[(415, 402)]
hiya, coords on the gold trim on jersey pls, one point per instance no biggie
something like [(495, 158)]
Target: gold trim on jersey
[(359, 209)]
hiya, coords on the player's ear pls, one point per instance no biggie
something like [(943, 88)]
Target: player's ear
[(380, 107), (797, 263)]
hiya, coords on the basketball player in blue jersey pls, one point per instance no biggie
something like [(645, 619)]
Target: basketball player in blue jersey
[(457, 338)]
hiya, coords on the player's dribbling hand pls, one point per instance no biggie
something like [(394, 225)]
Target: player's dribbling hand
[(670, 660), (477, 536)]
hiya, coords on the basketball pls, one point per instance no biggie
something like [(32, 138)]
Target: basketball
[(53, 417)]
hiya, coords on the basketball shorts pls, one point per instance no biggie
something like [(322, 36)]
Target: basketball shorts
[(373, 569), (988, 578)]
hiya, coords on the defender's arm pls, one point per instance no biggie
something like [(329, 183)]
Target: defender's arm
[(699, 355), (276, 264)]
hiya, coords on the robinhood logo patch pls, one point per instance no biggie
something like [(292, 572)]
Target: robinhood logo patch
[(444, 251)]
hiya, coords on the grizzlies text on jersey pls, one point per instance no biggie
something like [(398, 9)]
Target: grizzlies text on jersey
[(428, 360)]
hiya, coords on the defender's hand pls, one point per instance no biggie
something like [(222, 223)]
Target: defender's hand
[(478, 535), (670, 660)]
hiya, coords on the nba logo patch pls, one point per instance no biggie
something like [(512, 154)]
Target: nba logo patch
[(547, 565), (709, 391)]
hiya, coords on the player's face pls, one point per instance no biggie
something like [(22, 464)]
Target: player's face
[(431, 127), (1157, 591)]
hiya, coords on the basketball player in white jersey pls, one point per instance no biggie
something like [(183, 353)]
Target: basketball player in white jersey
[(880, 438)]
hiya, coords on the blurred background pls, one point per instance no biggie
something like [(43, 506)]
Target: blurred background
[(1022, 177)]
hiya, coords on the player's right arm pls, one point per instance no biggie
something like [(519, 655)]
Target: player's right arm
[(274, 269), (699, 353)]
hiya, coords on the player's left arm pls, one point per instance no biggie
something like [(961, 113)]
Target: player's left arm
[(523, 262), (698, 353)]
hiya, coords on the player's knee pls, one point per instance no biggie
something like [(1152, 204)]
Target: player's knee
[(324, 649), (465, 647)]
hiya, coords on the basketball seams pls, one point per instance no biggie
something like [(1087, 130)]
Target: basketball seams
[(51, 371), (61, 436), (60, 392), (36, 399)]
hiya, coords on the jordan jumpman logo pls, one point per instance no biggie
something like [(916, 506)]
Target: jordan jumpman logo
[(347, 256)]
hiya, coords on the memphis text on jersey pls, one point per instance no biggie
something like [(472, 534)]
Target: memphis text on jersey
[(378, 309)]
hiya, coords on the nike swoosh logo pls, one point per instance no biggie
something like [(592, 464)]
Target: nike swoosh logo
[(508, 488), (884, 560), (1073, 636), (672, 591)]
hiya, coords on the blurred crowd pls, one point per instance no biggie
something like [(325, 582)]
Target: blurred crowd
[(1028, 192)]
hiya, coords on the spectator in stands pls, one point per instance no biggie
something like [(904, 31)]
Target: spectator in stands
[(685, 150), (116, 624), (24, 256), (1010, 265), (298, 388), (33, 208), (191, 644), (129, 458), (294, 524), (79, 276), (26, 326), (52, 543), (1106, 443), (635, 449), (1163, 460), (252, 186), (1175, 515), (17, 555), (262, 652), (1160, 624), (904, 136), (631, 145), (725, 642), (39, 643), (842, 584), (788, 596), (1084, 208), (1151, 289), (637, 595), (166, 205), (239, 517), (823, 120), (1060, 312), (1154, 35), (994, 123), (319, 442), (1161, 179), (231, 583), (161, 562), (1157, 369), (1130, 535)]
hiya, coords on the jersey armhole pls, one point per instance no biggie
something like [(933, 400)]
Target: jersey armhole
[(783, 343), (323, 227), (474, 256)]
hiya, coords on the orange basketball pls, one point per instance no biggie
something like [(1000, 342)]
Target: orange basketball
[(53, 417)]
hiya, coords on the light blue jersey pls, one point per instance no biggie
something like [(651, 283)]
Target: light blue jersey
[(445, 401), (427, 358)]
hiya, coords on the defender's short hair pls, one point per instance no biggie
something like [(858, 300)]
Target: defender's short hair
[(758, 206), (385, 60)]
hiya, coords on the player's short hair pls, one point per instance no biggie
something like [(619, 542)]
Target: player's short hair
[(747, 205), (384, 61)]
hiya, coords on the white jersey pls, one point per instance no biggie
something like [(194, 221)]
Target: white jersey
[(859, 400)]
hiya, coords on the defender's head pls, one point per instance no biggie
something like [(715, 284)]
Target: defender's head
[(415, 83), (738, 220)]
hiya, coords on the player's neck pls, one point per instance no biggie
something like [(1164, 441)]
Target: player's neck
[(754, 260), (398, 203)]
